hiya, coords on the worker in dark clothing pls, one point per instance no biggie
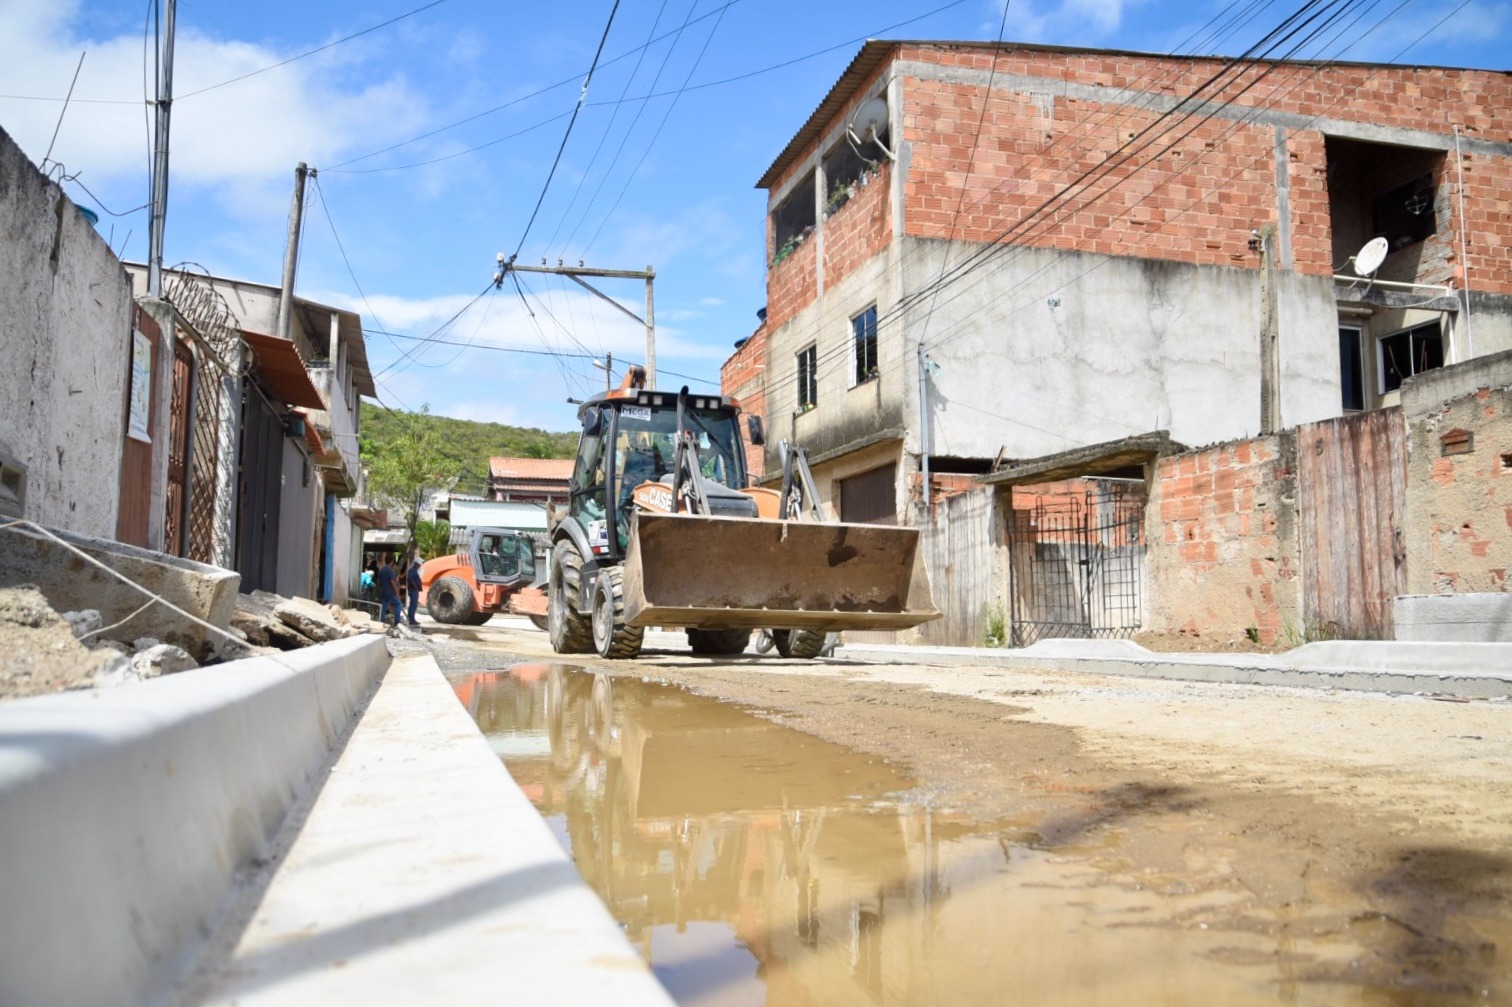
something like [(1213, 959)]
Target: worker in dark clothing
[(388, 591), (412, 585)]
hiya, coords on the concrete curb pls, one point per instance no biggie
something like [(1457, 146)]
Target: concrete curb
[(423, 874), (125, 813), (1461, 670)]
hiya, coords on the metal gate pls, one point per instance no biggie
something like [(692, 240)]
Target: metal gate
[(1077, 562), (178, 448)]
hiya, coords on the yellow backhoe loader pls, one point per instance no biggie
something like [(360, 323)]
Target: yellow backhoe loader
[(661, 529)]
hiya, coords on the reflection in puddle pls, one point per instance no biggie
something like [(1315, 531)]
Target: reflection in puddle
[(753, 864)]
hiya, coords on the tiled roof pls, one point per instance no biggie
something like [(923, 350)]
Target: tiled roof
[(552, 469)]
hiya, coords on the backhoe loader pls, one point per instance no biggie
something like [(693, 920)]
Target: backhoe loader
[(661, 529)]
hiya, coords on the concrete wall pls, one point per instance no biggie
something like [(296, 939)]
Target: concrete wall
[(1223, 549), (1118, 346), (1459, 478), (125, 814), (65, 351)]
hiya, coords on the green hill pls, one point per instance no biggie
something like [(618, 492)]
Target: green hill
[(469, 445)]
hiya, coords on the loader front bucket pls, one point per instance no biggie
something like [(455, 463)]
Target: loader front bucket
[(687, 570)]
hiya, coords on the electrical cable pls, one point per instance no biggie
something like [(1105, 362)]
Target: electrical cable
[(582, 97)]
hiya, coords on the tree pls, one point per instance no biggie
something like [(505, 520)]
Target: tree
[(432, 539), (405, 461)]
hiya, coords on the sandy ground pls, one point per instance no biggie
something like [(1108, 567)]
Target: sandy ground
[(1383, 821)]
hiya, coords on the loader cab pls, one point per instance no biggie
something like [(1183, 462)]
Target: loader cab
[(501, 557), (631, 439)]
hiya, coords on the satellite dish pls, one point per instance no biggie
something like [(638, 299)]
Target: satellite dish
[(870, 119), (869, 123), (1368, 259)]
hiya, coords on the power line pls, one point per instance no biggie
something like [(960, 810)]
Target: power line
[(582, 96), (530, 351), (317, 49)]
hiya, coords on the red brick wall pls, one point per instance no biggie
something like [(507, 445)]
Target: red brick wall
[(743, 376), (1459, 495), (1197, 202), (860, 229), (1222, 539), (793, 283)]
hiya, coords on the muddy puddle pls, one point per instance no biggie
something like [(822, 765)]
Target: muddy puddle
[(753, 864)]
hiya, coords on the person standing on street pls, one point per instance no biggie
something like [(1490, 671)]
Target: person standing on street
[(388, 591), (412, 585)]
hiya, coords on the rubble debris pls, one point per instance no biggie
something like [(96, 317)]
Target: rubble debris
[(164, 659), (311, 619), (40, 652), (72, 583), (85, 622)]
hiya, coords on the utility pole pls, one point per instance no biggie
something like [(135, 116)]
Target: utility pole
[(924, 422), (1270, 323), (607, 366), (285, 323), (164, 104), (576, 274)]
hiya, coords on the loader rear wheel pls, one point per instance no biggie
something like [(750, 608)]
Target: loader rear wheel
[(478, 618), (541, 623), (611, 637), (714, 642), (450, 600), (570, 630), (804, 644)]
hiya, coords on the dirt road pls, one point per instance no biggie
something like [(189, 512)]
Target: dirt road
[(1379, 824)]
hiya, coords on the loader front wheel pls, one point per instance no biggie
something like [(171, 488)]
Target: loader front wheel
[(717, 642), (449, 600), (570, 630), (611, 637), (804, 644), (477, 618)]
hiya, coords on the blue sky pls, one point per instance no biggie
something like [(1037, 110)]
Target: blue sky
[(433, 136)]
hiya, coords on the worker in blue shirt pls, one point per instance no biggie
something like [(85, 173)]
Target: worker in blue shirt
[(412, 586), (388, 591)]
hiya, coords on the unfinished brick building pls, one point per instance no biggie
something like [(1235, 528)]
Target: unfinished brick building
[(1202, 284)]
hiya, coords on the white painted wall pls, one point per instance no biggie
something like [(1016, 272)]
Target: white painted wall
[(65, 351)]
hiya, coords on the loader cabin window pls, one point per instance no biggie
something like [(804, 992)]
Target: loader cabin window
[(864, 344), (808, 378), (587, 493), (645, 450)]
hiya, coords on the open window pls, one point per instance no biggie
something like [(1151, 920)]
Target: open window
[(1412, 351), (1351, 369), (848, 167), (808, 378), (793, 220), (864, 344), (1387, 191)]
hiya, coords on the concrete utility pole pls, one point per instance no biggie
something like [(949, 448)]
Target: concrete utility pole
[(1270, 324), (164, 104), (924, 422), (291, 255), (576, 274)]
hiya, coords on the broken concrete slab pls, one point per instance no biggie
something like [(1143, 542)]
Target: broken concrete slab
[(164, 659), (71, 584), (311, 619)]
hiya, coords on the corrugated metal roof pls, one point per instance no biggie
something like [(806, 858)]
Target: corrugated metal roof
[(867, 60), (280, 364)]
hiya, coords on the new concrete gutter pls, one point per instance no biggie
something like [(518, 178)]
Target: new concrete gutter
[(422, 874), (125, 813), (1463, 670)]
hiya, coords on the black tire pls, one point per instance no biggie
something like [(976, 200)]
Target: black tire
[(612, 639), (541, 623), (450, 600), (478, 618), (571, 632), (718, 642), (804, 644)]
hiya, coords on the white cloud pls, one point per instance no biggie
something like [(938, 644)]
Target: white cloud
[(241, 140)]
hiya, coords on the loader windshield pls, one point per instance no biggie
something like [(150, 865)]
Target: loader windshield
[(646, 445)]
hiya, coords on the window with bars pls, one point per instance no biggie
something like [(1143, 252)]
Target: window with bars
[(864, 344), (808, 378)]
